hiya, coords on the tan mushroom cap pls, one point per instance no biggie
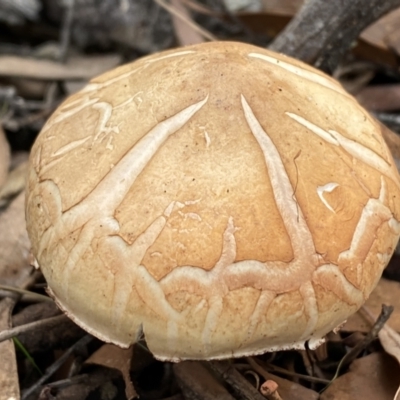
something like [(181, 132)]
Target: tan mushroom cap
[(223, 199)]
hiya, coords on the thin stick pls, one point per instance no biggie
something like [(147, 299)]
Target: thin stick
[(47, 322)]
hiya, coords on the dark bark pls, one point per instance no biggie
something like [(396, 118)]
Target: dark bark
[(323, 31)]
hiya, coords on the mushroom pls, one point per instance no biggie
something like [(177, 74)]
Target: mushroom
[(222, 199)]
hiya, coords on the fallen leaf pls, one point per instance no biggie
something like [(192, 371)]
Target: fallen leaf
[(77, 67), (14, 244), (386, 292), (373, 377), (380, 97), (9, 382), (4, 157), (390, 341), (184, 32), (188, 31), (112, 356), (14, 183), (385, 32)]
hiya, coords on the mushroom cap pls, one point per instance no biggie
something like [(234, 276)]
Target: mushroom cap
[(222, 199)]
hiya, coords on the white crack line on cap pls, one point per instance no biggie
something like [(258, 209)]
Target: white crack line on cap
[(302, 73), (351, 147)]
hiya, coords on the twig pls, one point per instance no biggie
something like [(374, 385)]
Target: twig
[(323, 31), (48, 322), (55, 366), (192, 24)]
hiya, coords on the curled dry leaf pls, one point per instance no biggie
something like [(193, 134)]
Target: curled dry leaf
[(112, 356), (4, 157)]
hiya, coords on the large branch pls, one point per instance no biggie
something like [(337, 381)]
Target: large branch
[(323, 31)]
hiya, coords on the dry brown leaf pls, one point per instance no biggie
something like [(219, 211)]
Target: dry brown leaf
[(9, 382), (184, 32), (15, 182), (385, 32), (182, 15), (4, 157), (390, 341), (380, 97), (112, 356), (387, 292), (373, 377), (78, 67), (14, 244)]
